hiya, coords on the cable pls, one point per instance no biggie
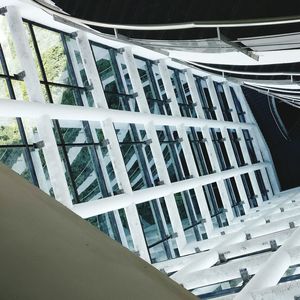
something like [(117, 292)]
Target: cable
[(280, 127)]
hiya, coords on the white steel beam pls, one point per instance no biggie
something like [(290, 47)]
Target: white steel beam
[(237, 236), (79, 113), (92, 208), (113, 147), (155, 149), (273, 269), (44, 124)]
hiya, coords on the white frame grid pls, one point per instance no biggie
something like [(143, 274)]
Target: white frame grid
[(188, 268)]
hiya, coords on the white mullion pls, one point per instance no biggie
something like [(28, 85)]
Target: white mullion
[(260, 140), (155, 147), (113, 148), (44, 124), (242, 193), (225, 200), (214, 98), (194, 172), (256, 188), (165, 75), (194, 93), (234, 163), (230, 101), (227, 143), (210, 149), (266, 181)]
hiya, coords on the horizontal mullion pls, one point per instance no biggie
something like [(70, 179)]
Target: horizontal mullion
[(79, 113), (103, 205)]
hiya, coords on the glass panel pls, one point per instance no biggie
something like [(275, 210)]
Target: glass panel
[(250, 146), (138, 160), (206, 102), (9, 132), (238, 106), (14, 158), (234, 139), (220, 149), (53, 55), (226, 110), (199, 150), (249, 190), (176, 165)]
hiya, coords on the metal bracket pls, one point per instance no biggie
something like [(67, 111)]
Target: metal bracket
[(227, 41), (74, 34), (134, 95), (3, 10), (39, 145), (281, 209), (273, 245), (157, 61), (222, 258), (174, 235), (105, 143), (161, 182), (245, 275), (137, 253), (20, 76), (222, 232), (292, 225), (119, 192), (268, 221), (121, 50), (248, 236), (89, 87), (148, 142), (197, 249), (179, 140)]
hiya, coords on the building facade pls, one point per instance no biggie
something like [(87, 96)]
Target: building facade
[(160, 156)]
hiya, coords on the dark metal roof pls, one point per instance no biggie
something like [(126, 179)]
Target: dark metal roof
[(173, 11)]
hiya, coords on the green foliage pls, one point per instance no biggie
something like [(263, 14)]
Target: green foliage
[(55, 62), (9, 135)]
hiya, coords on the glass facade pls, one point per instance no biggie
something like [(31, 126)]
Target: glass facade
[(159, 153)]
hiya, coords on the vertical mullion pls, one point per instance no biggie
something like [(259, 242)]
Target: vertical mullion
[(44, 125), (12, 95), (88, 132), (55, 122), (113, 148)]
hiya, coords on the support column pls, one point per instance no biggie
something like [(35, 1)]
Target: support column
[(113, 147), (155, 148), (44, 124), (185, 142)]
